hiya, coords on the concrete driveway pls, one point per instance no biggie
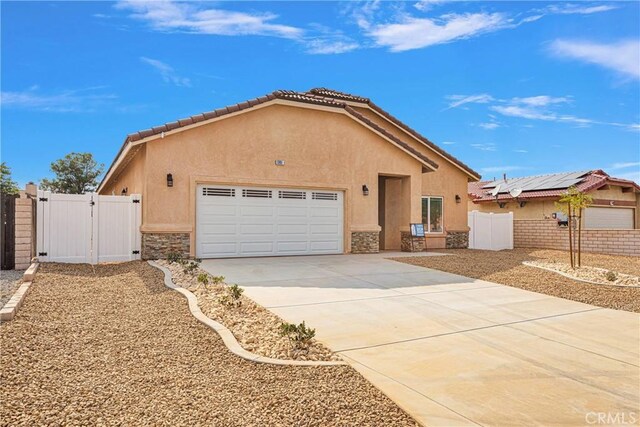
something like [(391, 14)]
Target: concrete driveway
[(451, 350)]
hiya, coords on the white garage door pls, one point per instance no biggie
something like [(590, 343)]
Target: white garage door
[(251, 221), (615, 218)]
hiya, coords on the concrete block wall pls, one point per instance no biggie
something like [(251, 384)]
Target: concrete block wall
[(25, 232), (546, 234)]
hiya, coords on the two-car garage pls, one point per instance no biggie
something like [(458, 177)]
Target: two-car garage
[(240, 221)]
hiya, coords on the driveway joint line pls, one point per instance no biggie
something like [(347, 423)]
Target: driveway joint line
[(465, 330), (415, 391), (373, 298)]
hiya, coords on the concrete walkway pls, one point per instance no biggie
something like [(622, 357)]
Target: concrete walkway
[(451, 350)]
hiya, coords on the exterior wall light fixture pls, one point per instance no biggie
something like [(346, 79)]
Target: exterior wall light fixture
[(365, 190), (124, 191), (458, 199), (169, 180)]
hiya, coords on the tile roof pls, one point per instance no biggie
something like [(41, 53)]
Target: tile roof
[(330, 93), (318, 96), (589, 180)]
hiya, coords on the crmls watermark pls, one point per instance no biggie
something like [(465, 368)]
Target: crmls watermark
[(612, 418)]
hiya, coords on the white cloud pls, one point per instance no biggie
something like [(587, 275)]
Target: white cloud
[(489, 125), (67, 101), (324, 47), (540, 107), (493, 169), (577, 9), (448, 142), (487, 146), (622, 57), (624, 165), (414, 33), (194, 18), (540, 101), (458, 100), (425, 5), (167, 72), (523, 112), (520, 151)]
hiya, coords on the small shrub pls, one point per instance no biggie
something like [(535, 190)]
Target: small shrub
[(299, 336), (232, 297), (235, 291), (217, 279), (611, 276), (204, 279), (191, 267), (175, 257)]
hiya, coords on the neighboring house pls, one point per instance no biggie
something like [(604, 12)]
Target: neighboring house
[(291, 173), (616, 202)]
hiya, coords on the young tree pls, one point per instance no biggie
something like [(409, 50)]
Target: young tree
[(572, 203), (7, 185), (76, 173)]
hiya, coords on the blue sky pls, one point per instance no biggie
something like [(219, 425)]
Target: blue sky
[(517, 87)]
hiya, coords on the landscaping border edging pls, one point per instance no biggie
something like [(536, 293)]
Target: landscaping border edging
[(568, 276), (9, 310), (227, 337)]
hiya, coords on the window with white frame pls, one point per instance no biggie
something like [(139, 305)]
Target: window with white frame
[(432, 214)]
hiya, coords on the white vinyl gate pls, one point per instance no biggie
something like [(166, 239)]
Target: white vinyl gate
[(88, 228), (490, 231)]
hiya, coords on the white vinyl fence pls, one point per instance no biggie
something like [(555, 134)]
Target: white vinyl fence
[(88, 228), (490, 231)]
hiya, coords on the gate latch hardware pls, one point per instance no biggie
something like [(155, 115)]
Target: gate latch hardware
[(136, 252), (43, 199), (42, 254), (136, 201)]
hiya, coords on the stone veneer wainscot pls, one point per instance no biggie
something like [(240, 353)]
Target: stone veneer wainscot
[(406, 245), (158, 245), (365, 242), (457, 239)]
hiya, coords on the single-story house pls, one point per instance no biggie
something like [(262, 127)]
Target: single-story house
[(616, 202), (291, 173)]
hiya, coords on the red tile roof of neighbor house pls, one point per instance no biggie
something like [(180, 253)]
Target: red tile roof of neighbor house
[(318, 96), (589, 180)]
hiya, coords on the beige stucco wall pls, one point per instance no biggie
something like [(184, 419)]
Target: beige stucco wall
[(322, 148), (131, 177)]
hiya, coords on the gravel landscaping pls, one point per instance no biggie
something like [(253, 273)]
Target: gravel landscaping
[(9, 282), (111, 345), (506, 267), (256, 328), (594, 275)]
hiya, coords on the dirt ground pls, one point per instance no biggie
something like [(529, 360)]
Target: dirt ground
[(506, 267), (110, 345)]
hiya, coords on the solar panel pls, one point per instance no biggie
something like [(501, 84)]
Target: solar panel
[(540, 182)]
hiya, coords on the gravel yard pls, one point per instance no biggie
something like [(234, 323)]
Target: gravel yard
[(110, 345), (9, 282), (506, 267), (256, 328)]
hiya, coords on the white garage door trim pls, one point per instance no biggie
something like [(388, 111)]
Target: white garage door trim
[(244, 221), (608, 218)]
